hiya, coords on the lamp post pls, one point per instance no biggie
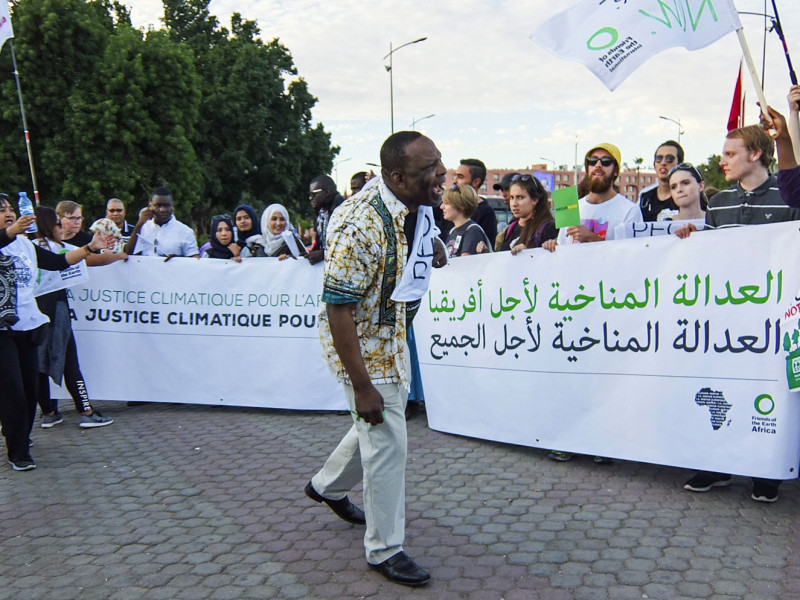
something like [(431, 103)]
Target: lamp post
[(678, 123), (415, 121), (389, 68), (550, 160)]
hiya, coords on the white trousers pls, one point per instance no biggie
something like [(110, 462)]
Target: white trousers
[(376, 454)]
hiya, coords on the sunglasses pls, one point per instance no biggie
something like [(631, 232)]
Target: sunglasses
[(527, 177), (606, 161), (670, 158), (689, 168)]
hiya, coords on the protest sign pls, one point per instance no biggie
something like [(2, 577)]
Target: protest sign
[(204, 332), (565, 206), (657, 350)]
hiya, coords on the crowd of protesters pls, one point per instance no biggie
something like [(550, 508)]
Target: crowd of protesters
[(40, 345)]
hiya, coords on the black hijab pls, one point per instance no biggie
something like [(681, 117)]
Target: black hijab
[(241, 236), (217, 250)]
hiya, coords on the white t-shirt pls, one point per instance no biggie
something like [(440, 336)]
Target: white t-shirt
[(604, 218), (173, 237), (27, 272)]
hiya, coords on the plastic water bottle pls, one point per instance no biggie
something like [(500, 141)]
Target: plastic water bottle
[(26, 208)]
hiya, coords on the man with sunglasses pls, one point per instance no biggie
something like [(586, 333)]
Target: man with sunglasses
[(603, 208), (324, 199), (657, 198), (115, 212)]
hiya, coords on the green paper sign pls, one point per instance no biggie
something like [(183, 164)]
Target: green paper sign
[(565, 203)]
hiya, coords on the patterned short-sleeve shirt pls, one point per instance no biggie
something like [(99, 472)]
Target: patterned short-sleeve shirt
[(365, 256)]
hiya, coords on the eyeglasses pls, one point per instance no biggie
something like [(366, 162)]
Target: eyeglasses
[(115, 210), (689, 168), (606, 161), (73, 219), (670, 158)]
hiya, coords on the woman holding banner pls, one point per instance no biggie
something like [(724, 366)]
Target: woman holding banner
[(247, 229), (278, 234), (221, 243), (19, 339), (58, 354), (687, 185), (534, 222)]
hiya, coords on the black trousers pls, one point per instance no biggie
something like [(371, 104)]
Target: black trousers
[(19, 379), (73, 379)]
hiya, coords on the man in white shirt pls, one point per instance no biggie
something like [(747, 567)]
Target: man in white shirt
[(159, 233), (603, 209)]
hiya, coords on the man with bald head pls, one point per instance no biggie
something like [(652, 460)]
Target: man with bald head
[(363, 335)]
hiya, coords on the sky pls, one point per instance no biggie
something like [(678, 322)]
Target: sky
[(494, 93)]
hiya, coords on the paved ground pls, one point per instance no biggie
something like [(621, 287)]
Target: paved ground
[(198, 502)]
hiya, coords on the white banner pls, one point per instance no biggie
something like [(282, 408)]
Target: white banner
[(651, 228), (660, 350), (204, 332), (612, 38)]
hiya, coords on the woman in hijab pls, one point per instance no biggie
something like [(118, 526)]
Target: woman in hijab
[(222, 244), (278, 234), (247, 229)]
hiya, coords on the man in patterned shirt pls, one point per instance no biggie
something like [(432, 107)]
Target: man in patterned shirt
[(363, 334)]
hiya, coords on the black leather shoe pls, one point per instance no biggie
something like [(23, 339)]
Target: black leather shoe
[(343, 508), (401, 569)]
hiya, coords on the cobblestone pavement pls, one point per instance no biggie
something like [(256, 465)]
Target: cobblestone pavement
[(194, 502)]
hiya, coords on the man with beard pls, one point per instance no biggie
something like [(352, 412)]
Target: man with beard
[(603, 209), (324, 200), (656, 201), (363, 335)]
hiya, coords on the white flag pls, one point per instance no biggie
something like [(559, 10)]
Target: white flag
[(6, 31), (614, 37)]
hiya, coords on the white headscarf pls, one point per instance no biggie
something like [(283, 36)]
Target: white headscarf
[(272, 241)]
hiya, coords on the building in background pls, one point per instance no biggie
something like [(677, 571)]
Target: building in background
[(631, 181)]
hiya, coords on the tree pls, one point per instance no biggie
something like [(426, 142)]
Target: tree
[(713, 174), (216, 115), (132, 129), (57, 43), (254, 137)]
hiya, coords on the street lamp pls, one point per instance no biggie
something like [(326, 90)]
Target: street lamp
[(678, 123), (550, 160), (389, 68), (415, 121)]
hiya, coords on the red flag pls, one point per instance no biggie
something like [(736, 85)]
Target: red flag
[(736, 118)]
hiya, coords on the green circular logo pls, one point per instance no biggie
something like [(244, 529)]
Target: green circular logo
[(761, 401), (613, 36)]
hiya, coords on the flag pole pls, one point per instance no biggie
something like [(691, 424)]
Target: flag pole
[(751, 67), (779, 31), (24, 124)]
